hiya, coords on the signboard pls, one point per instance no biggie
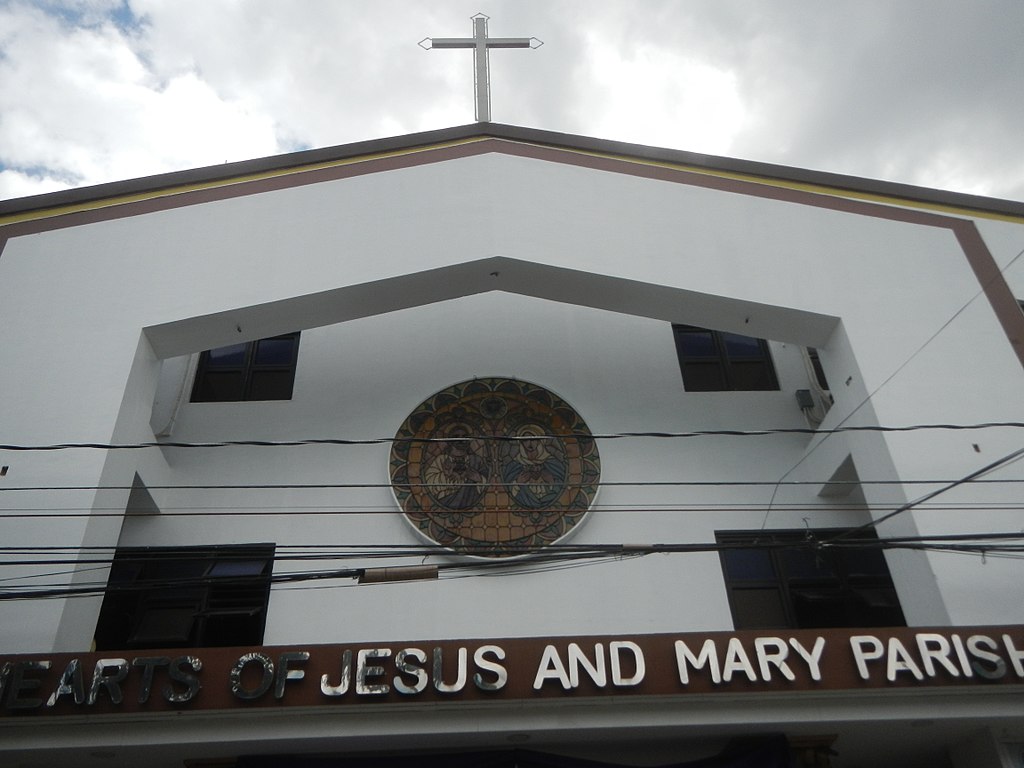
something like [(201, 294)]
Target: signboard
[(510, 669)]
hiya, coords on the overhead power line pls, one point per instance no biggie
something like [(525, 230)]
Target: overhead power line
[(602, 484), (554, 557), (330, 510), (511, 438), (289, 553), (999, 275), (972, 477)]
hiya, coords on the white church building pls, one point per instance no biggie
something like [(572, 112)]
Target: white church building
[(496, 446)]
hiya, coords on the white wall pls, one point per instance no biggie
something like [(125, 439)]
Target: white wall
[(871, 293), (619, 372)]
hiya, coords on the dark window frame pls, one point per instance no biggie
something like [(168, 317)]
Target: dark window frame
[(721, 366), (775, 580), (819, 370), (186, 597), (246, 378)]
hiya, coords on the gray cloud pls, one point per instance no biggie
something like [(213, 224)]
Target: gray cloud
[(919, 91)]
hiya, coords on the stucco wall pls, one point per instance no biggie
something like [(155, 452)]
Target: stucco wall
[(592, 266)]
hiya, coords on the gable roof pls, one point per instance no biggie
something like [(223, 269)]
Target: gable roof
[(311, 165)]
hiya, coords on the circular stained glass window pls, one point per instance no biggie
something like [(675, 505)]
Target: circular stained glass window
[(494, 468)]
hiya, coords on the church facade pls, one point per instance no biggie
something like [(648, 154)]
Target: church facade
[(491, 444)]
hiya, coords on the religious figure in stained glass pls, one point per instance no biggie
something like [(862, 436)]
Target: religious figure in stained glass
[(457, 473), (535, 471)]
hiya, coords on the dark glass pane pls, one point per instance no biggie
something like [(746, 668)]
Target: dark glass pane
[(877, 597), (115, 620), (174, 601), (704, 377), (818, 608), (696, 344), (222, 630), (748, 564), (271, 385), (752, 376), (238, 568), (811, 589), (882, 616), (758, 609), (277, 351), (219, 387), (742, 346), (171, 569), (164, 626), (124, 571), (861, 563), (805, 564), (233, 355)]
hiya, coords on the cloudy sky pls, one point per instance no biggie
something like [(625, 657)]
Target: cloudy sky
[(927, 92)]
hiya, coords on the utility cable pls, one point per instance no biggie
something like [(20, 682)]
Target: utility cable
[(300, 553), (840, 428), (1001, 462), (378, 485), (510, 438), (564, 555)]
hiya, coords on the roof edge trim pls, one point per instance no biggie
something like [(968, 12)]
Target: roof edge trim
[(114, 193)]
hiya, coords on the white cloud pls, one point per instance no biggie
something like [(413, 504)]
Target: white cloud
[(79, 105), (920, 91), (654, 96)]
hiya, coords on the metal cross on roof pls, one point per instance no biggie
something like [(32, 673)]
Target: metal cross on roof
[(481, 45)]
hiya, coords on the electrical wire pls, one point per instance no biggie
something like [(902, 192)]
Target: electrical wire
[(870, 396), (510, 438), (991, 467), (373, 486), (300, 553), (249, 511), (554, 558)]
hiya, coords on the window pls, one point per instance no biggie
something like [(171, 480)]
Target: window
[(716, 361), (775, 581), (257, 370), (818, 369), (190, 597)]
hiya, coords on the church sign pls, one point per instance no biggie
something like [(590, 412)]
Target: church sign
[(516, 669)]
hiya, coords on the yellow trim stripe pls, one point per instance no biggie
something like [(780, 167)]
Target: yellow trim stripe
[(109, 202), (818, 189)]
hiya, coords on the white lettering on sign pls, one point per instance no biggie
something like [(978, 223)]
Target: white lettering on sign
[(567, 672), (736, 660), (595, 669), (551, 668), (615, 650), (811, 657), (404, 664), (935, 649), (936, 655), (460, 679), (987, 664), (484, 664), (708, 656), (1016, 656), (865, 648), (878, 657), (367, 671), (770, 652), (900, 660)]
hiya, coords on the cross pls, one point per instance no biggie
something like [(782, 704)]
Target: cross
[(481, 45)]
